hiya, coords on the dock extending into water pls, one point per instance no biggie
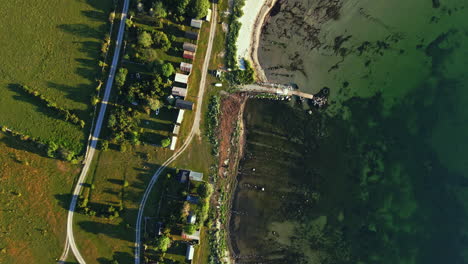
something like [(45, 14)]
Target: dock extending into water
[(279, 89)]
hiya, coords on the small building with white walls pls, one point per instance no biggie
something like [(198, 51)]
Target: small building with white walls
[(181, 78), (190, 252), (196, 23), (180, 116), (173, 143)]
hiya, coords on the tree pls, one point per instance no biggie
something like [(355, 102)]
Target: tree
[(149, 55), (199, 8), (165, 142), (161, 40), (112, 121), (104, 145), (205, 190), (190, 229), (121, 77), (162, 243), (154, 104), (159, 11), (167, 69), (144, 39), (181, 6)]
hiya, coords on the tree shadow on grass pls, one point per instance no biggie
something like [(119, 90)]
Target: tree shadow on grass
[(119, 231), (81, 30), (120, 257), (29, 146), (99, 16), (78, 94)]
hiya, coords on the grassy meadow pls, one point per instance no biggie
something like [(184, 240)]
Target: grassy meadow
[(33, 193), (54, 48)]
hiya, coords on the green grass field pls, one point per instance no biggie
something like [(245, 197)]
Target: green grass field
[(34, 192), (53, 47)]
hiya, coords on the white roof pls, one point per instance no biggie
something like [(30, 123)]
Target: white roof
[(176, 129), (208, 15), (180, 116), (190, 252), (181, 78), (173, 143), (197, 23), (196, 176), (192, 219)]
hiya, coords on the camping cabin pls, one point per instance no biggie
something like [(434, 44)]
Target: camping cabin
[(173, 143), (183, 176), (180, 117), (182, 104), (190, 252), (179, 91), (186, 67), (196, 23), (176, 129), (196, 176), (189, 55), (191, 35), (181, 78), (208, 15), (189, 47)]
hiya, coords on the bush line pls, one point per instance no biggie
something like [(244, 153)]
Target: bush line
[(66, 114)]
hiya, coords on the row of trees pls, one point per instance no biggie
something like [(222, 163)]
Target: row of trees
[(177, 8), (51, 148), (233, 33), (65, 113), (213, 122)]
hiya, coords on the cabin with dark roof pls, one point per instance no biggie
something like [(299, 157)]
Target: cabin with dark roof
[(189, 47), (182, 104), (191, 35)]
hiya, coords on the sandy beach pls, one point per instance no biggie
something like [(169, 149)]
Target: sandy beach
[(255, 13)]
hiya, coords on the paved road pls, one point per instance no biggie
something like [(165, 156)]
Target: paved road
[(195, 130), (70, 240)]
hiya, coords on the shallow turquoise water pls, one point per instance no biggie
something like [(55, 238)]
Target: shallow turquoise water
[(391, 149)]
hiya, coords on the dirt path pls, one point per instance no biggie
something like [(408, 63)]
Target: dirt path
[(195, 130), (93, 139)]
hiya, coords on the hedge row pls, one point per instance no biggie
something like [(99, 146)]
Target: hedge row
[(233, 33), (66, 114)]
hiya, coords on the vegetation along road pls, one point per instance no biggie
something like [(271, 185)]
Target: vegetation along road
[(70, 240), (195, 130)]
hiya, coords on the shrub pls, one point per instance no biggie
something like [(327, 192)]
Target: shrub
[(149, 55), (159, 11), (120, 77), (161, 40), (199, 8), (167, 69), (190, 229), (165, 142), (144, 39), (162, 243)]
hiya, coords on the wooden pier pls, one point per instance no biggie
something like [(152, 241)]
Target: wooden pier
[(282, 90)]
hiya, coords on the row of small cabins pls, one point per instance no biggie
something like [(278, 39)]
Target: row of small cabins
[(180, 88), (185, 176)]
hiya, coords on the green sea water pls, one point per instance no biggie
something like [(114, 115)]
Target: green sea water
[(381, 175)]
